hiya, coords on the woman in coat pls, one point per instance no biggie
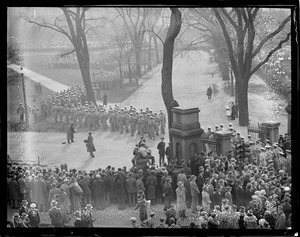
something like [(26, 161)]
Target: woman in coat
[(90, 145), (180, 194), (151, 184), (206, 199), (141, 205)]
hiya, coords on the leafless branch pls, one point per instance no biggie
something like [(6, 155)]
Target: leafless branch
[(270, 54), (65, 54), (270, 36)]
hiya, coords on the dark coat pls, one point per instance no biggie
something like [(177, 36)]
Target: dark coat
[(140, 185), (131, 185), (168, 192), (239, 196), (13, 190), (85, 186), (158, 187), (151, 187), (22, 185), (23, 210), (90, 144), (217, 199), (34, 217), (161, 148), (39, 192), (98, 188), (70, 132), (200, 182)]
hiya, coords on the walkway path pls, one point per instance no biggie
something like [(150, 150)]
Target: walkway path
[(45, 81)]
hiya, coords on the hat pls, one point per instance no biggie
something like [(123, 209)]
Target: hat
[(33, 205), (281, 153), (268, 146), (230, 124), (24, 202), (180, 183), (193, 176), (16, 215), (288, 151), (89, 205), (262, 148), (152, 214), (133, 219)]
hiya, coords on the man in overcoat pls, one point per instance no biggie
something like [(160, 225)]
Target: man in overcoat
[(167, 194), (39, 193), (151, 184), (131, 189), (99, 193), (90, 145), (86, 190), (161, 151)]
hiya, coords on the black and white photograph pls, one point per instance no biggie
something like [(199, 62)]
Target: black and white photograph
[(149, 117)]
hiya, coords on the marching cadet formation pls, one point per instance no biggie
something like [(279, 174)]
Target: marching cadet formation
[(70, 106)]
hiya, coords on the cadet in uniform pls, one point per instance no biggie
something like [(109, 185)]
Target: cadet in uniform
[(126, 118), (151, 127), (162, 119), (141, 125), (157, 122)]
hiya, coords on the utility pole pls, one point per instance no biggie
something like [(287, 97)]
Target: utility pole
[(24, 97)]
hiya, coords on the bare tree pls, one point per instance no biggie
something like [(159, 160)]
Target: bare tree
[(117, 45), (74, 24), (242, 21), (167, 67), (134, 20)]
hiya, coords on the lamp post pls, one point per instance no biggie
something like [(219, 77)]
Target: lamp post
[(24, 97)]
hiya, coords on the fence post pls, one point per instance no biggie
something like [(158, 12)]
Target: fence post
[(223, 139)]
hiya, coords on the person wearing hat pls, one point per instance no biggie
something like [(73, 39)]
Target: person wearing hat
[(180, 197), (151, 221), (194, 193), (133, 222), (221, 127), (70, 133), (161, 151), (142, 206), (151, 184), (167, 193), (90, 145), (34, 216), (282, 164), (55, 214), (131, 187), (162, 119), (161, 224), (206, 202), (171, 214), (262, 160), (24, 208), (217, 128), (140, 125), (250, 220)]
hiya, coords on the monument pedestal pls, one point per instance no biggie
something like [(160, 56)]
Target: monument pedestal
[(223, 139), (186, 132), (272, 131)]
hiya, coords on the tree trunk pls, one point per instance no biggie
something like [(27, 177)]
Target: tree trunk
[(156, 50), (138, 60), (129, 70), (85, 73), (149, 53), (232, 86), (243, 103), (121, 74), (236, 96), (166, 72)]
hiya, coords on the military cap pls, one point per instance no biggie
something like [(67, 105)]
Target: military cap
[(216, 126), (281, 153), (288, 151), (221, 125), (230, 124), (133, 219)]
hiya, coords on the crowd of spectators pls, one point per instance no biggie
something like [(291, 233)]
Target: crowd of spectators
[(219, 192)]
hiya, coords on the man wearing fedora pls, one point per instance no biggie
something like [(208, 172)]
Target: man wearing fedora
[(34, 216), (161, 151), (55, 214), (24, 208), (90, 145), (70, 133)]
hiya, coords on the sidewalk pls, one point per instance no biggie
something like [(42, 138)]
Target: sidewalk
[(45, 81)]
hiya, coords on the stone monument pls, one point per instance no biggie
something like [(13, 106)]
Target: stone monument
[(186, 132)]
